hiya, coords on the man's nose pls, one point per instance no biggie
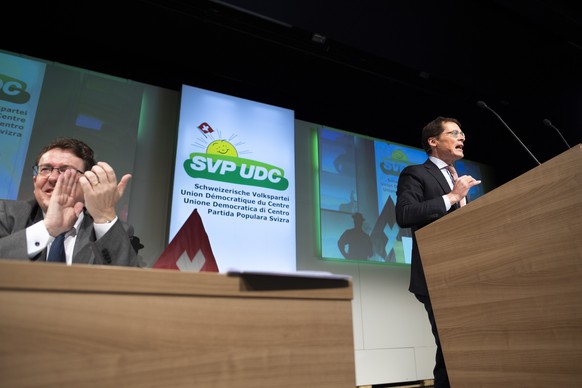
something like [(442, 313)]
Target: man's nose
[(54, 175)]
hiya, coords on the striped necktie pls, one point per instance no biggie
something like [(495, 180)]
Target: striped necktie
[(455, 176)]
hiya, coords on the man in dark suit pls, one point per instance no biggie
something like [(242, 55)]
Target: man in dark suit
[(74, 197), (425, 193)]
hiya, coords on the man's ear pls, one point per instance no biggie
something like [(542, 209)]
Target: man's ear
[(432, 141)]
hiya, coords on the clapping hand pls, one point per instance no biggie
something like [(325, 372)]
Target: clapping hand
[(102, 191), (63, 211)]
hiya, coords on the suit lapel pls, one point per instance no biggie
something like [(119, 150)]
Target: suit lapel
[(433, 170), (85, 235), (35, 213), (35, 216)]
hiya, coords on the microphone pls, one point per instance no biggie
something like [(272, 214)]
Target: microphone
[(549, 124), (481, 104)]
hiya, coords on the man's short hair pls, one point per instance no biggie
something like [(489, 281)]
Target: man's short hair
[(75, 146)]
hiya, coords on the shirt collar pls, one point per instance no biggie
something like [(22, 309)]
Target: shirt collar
[(438, 162), (77, 225)]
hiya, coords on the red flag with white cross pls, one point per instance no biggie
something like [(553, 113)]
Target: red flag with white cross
[(189, 250)]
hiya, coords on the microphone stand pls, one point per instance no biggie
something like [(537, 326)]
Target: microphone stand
[(481, 104), (549, 124)]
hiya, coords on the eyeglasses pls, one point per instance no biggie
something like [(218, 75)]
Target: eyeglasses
[(48, 170), (455, 133)]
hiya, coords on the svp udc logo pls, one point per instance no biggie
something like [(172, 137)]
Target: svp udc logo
[(221, 162), (13, 90)]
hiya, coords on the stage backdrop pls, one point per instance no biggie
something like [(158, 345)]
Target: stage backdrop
[(358, 177), (20, 88)]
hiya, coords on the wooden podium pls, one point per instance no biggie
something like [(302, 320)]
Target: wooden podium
[(505, 278), (93, 326)]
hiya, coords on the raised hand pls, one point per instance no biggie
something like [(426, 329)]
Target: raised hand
[(63, 211), (461, 188), (102, 191)]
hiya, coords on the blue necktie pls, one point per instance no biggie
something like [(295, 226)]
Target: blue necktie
[(57, 251)]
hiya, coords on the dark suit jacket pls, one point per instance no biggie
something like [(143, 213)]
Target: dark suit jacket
[(114, 248), (418, 203)]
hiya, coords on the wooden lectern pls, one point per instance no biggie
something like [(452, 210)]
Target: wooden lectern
[(505, 278), (94, 326)]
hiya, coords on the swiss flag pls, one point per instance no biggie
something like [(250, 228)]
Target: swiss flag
[(189, 250), (205, 128)]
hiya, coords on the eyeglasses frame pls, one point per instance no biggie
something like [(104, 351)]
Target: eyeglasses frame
[(36, 170)]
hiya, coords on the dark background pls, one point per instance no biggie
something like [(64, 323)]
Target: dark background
[(379, 68)]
